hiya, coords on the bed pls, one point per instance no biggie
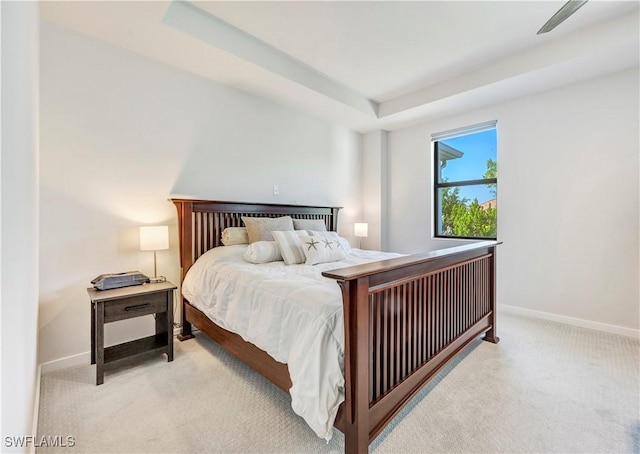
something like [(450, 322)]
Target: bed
[(403, 318)]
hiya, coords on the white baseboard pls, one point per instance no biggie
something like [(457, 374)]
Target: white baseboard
[(63, 363), (598, 326), (73, 360)]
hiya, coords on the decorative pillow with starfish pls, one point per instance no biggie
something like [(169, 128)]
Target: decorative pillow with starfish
[(322, 248)]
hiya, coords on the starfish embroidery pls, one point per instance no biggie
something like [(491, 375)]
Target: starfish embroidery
[(327, 243), (312, 244)]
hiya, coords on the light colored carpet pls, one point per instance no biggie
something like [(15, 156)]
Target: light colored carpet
[(546, 387)]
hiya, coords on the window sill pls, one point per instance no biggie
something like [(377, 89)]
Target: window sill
[(466, 240)]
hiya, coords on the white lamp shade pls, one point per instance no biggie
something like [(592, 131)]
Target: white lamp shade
[(361, 229), (154, 237)]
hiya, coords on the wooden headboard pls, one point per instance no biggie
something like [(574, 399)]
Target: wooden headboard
[(201, 222)]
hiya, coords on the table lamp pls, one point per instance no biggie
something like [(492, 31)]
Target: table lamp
[(154, 238), (361, 230)]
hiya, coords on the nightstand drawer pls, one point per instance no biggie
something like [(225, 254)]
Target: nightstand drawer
[(135, 307)]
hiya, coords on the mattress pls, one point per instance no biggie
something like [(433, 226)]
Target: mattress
[(289, 311)]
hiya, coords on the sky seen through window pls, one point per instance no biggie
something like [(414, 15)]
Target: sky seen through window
[(477, 148)]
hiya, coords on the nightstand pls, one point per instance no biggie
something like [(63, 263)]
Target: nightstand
[(128, 302)]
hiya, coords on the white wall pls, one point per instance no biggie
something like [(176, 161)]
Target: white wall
[(568, 198), (19, 215), (121, 133)]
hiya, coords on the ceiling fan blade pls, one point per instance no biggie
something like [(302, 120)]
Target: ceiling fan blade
[(563, 13)]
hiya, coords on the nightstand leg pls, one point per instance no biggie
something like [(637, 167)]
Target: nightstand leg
[(164, 325), (93, 333), (170, 326), (99, 340)]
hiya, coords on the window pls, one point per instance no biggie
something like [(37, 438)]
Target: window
[(466, 183)]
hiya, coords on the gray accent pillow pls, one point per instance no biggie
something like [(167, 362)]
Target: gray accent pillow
[(259, 229), (310, 224)]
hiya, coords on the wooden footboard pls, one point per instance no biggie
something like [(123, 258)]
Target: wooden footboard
[(405, 319)]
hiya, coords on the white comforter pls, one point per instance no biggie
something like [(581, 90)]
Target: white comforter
[(291, 312)]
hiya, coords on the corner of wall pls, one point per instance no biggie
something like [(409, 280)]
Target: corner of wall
[(19, 216)]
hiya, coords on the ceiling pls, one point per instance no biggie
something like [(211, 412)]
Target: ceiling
[(370, 65)]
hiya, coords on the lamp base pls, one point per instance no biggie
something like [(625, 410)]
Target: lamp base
[(155, 280)]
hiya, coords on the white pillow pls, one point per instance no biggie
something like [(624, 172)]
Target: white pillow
[(310, 224), (234, 235), (333, 235), (259, 229), (322, 249), (262, 252), (290, 245)]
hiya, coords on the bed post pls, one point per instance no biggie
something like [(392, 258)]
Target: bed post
[(185, 208), (355, 294), (490, 335)]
